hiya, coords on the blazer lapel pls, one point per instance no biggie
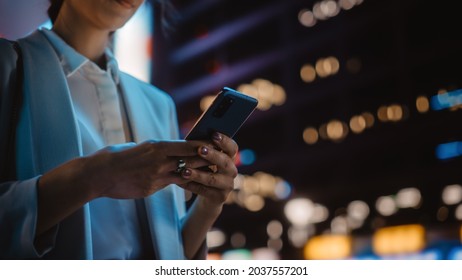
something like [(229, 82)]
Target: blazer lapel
[(47, 94), (161, 208)]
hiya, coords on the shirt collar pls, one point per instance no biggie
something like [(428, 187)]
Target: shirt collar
[(72, 61)]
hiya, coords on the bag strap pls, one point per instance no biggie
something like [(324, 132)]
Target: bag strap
[(8, 170)]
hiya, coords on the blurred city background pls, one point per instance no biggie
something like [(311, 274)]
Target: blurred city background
[(355, 149)]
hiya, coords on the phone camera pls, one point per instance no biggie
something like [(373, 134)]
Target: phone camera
[(223, 107)]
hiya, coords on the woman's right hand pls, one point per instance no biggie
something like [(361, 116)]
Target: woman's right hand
[(123, 171), (135, 171)]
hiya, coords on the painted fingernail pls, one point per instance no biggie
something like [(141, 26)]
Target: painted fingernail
[(204, 150), (186, 173), (217, 136)]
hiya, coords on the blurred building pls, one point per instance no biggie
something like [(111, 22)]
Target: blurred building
[(355, 130)]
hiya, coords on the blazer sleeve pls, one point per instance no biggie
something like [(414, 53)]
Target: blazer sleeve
[(18, 199), (18, 216)]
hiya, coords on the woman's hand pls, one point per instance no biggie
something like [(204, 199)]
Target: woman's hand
[(213, 187), (138, 171), (123, 171)]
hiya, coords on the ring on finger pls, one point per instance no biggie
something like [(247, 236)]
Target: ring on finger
[(180, 166)]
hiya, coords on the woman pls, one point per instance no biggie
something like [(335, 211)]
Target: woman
[(81, 192)]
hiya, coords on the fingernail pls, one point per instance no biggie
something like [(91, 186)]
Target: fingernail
[(217, 136), (186, 173), (204, 150)]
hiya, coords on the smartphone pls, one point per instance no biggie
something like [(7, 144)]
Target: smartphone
[(228, 112)]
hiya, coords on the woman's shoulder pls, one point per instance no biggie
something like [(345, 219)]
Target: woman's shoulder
[(5, 44), (8, 55)]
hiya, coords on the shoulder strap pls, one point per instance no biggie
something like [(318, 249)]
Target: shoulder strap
[(13, 104)]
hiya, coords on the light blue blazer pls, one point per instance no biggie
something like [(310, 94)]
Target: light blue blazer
[(48, 135)]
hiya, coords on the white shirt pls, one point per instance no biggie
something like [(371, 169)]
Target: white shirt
[(115, 224)]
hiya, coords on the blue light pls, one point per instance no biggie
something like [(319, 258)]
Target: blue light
[(47, 24), (283, 190), (449, 150), (247, 157), (455, 254), (446, 100)]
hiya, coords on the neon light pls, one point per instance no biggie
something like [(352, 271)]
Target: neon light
[(446, 100), (449, 150)]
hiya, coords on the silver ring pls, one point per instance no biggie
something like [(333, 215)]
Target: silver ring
[(181, 165)]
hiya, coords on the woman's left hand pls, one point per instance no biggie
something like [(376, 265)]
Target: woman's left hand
[(214, 186)]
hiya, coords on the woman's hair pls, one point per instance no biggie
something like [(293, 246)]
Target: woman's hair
[(169, 16), (53, 10)]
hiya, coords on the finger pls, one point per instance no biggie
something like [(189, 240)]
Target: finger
[(160, 154), (167, 148), (128, 155), (173, 178), (181, 148), (223, 162), (209, 179), (201, 190), (137, 155), (172, 163), (225, 143)]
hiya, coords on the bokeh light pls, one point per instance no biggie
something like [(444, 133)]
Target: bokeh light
[(254, 203), (422, 104), (452, 194), (336, 130), (358, 210), (399, 240), (308, 73), (310, 135), (274, 229), (320, 214), (265, 254), (386, 205), (408, 198), (328, 247), (215, 238), (238, 240), (357, 124), (299, 211), (306, 18)]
